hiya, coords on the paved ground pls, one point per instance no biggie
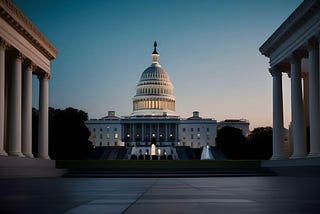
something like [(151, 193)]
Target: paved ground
[(161, 195)]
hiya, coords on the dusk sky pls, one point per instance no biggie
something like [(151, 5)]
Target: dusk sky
[(210, 49)]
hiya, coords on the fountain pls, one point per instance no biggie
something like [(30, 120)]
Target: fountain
[(206, 153)]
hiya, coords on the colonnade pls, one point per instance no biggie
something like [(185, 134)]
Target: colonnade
[(145, 132), (154, 103), (304, 102), (16, 104)]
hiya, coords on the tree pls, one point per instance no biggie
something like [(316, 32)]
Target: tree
[(231, 142), (260, 143), (68, 135)]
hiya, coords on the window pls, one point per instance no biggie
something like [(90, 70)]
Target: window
[(192, 129), (198, 136), (94, 129), (108, 136), (191, 137), (184, 129), (208, 129), (100, 143), (115, 135), (198, 129), (191, 144), (115, 129), (101, 136), (100, 129), (208, 136)]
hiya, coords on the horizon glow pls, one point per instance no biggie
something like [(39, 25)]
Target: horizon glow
[(209, 48)]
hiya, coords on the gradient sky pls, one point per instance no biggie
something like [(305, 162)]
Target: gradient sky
[(209, 49)]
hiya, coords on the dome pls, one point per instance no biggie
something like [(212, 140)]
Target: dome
[(154, 95), (155, 73)]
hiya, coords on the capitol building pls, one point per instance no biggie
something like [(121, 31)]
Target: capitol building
[(154, 128)]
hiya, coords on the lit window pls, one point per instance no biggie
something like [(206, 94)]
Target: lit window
[(115, 135), (198, 135), (108, 136)]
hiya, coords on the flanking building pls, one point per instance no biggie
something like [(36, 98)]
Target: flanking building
[(24, 51), (154, 128), (293, 49)]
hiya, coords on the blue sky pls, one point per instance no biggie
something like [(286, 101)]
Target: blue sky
[(209, 49)]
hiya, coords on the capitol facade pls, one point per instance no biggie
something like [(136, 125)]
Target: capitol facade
[(154, 128)]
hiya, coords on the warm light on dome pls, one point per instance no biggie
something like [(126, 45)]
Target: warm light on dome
[(154, 94)]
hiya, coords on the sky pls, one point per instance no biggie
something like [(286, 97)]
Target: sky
[(209, 48)]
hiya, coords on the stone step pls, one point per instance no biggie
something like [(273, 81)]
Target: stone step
[(170, 173)]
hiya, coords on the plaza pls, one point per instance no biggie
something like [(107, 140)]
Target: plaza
[(161, 195)]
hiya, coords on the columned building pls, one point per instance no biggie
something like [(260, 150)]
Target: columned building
[(24, 52), (294, 49), (153, 127)]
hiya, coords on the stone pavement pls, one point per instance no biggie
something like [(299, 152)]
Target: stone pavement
[(161, 195)]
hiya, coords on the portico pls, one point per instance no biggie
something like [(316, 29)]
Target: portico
[(24, 52), (294, 42)]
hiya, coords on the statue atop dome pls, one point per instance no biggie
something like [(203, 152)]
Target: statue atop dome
[(155, 48)]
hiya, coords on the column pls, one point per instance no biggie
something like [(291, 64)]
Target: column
[(277, 137), (158, 133), (314, 113), (298, 120), (27, 111), (43, 116), (14, 108), (305, 78), (3, 46)]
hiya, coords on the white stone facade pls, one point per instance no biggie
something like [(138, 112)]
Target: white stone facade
[(24, 52), (197, 132)]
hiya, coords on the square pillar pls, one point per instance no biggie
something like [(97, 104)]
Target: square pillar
[(314, 111), (3, 47)]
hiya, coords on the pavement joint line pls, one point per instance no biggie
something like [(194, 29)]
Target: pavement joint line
[(138, 198)]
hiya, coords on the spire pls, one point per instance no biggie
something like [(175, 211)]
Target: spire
[(155, 54)]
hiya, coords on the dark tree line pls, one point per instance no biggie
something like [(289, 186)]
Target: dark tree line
[(68, 135), (257, 145)]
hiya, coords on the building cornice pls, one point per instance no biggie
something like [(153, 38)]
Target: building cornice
[(300, 16), (14, 17)]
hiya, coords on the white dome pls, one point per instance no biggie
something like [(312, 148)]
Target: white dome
[(154, 96)]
